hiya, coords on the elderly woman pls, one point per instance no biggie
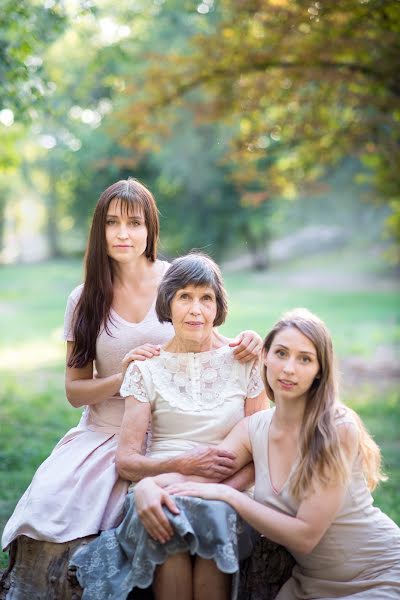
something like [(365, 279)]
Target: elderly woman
[(194, 392)]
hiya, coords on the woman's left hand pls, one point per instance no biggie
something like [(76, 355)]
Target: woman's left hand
[(248, 345), (208, 491)]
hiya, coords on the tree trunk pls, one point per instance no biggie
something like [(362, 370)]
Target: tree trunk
[(39, 571), (265, 571)]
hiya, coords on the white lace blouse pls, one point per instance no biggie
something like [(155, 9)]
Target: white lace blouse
[(196, 398)]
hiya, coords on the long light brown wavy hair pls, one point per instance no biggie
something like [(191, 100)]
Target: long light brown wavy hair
[(93, 309), (322, 459)]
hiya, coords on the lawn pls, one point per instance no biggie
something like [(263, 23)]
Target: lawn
[(34, 412)]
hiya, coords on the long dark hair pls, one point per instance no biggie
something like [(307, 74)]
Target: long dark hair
[(93, 308)]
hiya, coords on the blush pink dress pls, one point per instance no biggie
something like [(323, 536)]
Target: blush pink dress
[(76, 491)]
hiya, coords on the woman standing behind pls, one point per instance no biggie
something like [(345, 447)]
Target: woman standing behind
[(315, 466), (77, 492)]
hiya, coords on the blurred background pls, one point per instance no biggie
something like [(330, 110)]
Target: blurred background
[(269, 133)]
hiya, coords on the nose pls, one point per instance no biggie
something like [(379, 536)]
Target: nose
[(289, 366), (122, 232), (195, 307)]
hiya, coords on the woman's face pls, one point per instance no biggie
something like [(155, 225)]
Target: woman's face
[(193, 312), (292, 364), (125, 231)]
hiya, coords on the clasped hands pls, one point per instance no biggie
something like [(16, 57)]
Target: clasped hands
[(207, 462)]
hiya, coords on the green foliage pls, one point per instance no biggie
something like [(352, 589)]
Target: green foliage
[(225, 115), (34, 413), (305, 86), (25, 29)]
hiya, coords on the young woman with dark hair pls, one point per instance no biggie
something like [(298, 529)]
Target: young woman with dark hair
[(110, 320)]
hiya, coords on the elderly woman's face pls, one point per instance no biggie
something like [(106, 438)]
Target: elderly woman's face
[(193, 312)]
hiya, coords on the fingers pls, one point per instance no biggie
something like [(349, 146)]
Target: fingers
[(169, 503), (184, 492), (208, 462), (218, 472), (236, 341), (156, 523), (142, 353), (225, 453), (249, 348)]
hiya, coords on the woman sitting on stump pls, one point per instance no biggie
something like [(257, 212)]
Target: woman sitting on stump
[(315, 465), (194, 392)]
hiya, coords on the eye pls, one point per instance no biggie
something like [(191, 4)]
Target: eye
[(184, 296), (280, 353), (135, 223), (208, 298), (111, 222), (305, 359)]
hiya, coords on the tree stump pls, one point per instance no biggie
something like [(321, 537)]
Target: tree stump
[(39, 571), (265, 571)]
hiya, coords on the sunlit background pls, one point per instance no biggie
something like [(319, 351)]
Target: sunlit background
[(269, 134)]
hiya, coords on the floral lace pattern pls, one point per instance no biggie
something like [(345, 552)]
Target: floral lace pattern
[(190, 381), (126, 557), (133, 384), (255, 385)]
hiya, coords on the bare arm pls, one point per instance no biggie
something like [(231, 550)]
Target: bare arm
[(253, 405), (150, 495), (300, 533), (216, 463), (82, 388)]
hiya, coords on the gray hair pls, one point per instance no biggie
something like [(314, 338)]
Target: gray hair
[(193, 269)]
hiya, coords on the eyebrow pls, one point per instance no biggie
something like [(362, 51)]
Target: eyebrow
[(139, 217), (301, 351)]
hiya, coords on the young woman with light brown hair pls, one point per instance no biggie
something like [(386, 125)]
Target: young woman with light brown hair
[(315, 467)]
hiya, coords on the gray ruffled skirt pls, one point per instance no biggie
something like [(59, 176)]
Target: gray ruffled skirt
[(120, 559)]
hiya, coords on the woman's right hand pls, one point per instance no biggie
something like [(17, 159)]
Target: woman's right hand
[(208, 461), (149, 499), (140, 353)]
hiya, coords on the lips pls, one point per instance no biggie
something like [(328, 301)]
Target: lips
[(194, 323), (286, 384)]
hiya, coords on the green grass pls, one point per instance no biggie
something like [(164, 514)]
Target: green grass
[(34, 413), (359, 320)]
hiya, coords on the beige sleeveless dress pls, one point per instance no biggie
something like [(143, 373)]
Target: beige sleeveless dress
[(358, 558)]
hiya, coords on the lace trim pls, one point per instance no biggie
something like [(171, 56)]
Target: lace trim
[(202, 378), (133, 384), (191, 382), (255, 385)]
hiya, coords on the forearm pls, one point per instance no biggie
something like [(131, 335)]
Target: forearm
[(291, 532), (241, 480), (166, 479), (82, 392), (136, 467)]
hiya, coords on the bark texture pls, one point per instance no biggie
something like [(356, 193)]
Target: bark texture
[(39, 571), (265, 571)]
